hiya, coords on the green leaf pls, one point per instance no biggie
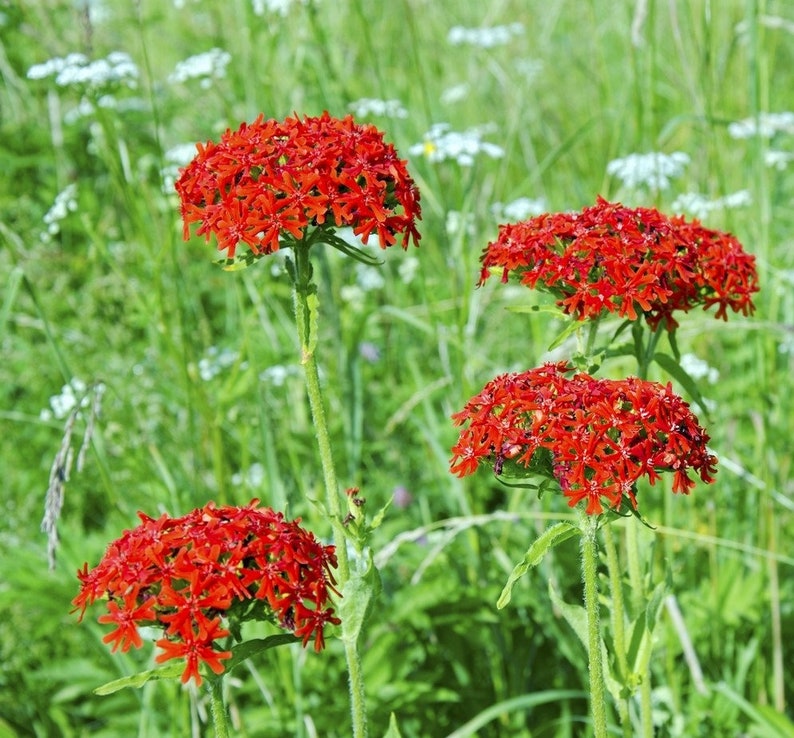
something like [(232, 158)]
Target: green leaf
[(549, 538), (548, 309), (675, 370), (641, 644), (377, 520), (247, 649), (169, 671), (358, 597), (570, 328), (776, 725), (393, 731), (312, 305)]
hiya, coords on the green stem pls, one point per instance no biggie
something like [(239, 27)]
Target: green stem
[(305, 314), (218, 708), (618, 624), (589, 575)]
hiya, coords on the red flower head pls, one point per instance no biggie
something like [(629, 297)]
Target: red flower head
[(273, 180), (609, 258), (596, 437), (187, 574)]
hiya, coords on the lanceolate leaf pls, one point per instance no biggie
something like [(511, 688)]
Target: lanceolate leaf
[(549, 538), (250, 648), (393, 731), (675, 370), (169, 671)]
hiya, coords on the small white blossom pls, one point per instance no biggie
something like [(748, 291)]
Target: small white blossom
[(460, 223), (485, 38), (216, 361), (441, 144), (76, 70), (777, 159), (65, 203), (766, 125), (455, 94), (369, 278), (699, 206), (409, 265), (275, 6), (253, 477), (372, 106), (61, 405), (697, 368), (205, 67), (653, 170), (278, 374), (530, 69), (518, 210)]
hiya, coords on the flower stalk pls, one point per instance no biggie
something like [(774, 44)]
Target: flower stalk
[(589, 525), (218, 708)]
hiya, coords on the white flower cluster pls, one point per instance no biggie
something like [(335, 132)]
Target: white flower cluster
[(278, 374), (253, 477), (275, 6), (216, 361), (652, 171), (71, 394), (765, 125), (77, 70), (206, 67), (697, 368), (778, 159), (528, 68), (372, 106), (456, 93), (462, 223), (441, 144), (485, 38), (518, 210), (699, 206), (65, 203)]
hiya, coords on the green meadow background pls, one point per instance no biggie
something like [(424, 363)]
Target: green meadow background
[(204, 398)]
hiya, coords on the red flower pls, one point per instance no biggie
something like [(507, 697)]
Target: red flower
[(596, 437), (609, 258), (273, 180), (184, 574)]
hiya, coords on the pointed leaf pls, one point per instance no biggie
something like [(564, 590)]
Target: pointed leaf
[(393, 731), (358, 596), (247, 649), (169, 671), (548, 539), (567, 331)]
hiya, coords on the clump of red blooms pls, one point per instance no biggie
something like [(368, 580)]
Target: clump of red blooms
[(612, 259), (272, 179), (596, 437), (185, 574)]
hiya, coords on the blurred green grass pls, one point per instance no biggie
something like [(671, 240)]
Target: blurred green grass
[(116, 295)]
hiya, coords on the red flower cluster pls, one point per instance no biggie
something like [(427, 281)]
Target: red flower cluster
[(596, 437), (609, 258), (272, 178), (184, 574)]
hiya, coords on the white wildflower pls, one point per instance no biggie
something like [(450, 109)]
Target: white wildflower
[(455, 94), (275, 6), (253, 477), (652, 171), (462, 223), (485, 38), (777, 159), (372, 106), (699, 206), (216, 361), (76, 70), (369, 278), (530, 69), (409, 265), (278, 374), (65, 202), (697, 368), (62, 404), (441, 144), (205, 67), (518, 210), (765, 125)]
